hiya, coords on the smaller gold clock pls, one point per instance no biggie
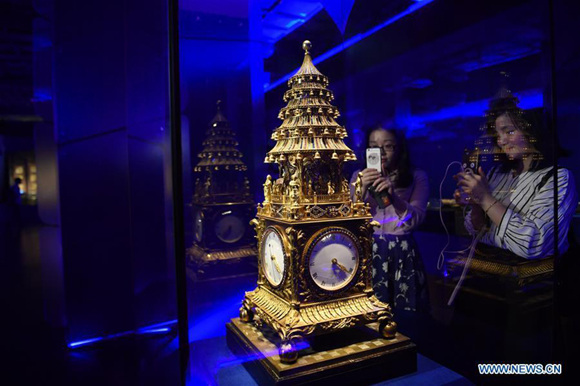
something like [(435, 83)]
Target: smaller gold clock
[(273, 256), (333, 256)]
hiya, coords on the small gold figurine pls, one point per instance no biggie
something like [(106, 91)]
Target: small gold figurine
[(268, 189), (345, 188), (358, 188), (294, 190), (330, 188)]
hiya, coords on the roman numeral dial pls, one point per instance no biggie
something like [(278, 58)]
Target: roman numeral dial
[(333, 259)]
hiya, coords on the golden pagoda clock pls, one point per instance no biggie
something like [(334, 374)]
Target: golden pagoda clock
[(314, 255), (222, 206)]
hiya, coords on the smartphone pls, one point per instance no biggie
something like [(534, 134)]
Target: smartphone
[(374, 162), (469, 164), (470, 161), (374, 159)]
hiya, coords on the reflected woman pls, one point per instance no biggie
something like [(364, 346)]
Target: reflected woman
[(398, 272), (514, 202)]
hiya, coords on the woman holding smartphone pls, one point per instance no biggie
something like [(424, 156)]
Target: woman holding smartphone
[(513, 204), (398, 272)]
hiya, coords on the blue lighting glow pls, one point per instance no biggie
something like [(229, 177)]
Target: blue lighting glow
[(293, 22), (155, 328), (41, 95), (162, 324), (417, 124), (285, 17), (528, 99), (494, 60), (233, 361), (84, 342), (353, 40), (210, 323)]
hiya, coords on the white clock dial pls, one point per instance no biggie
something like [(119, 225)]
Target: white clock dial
[(333, 260), (230, 228), (198, 226), (273, 257)]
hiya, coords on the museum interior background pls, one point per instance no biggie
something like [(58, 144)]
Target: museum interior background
[(89, 269)]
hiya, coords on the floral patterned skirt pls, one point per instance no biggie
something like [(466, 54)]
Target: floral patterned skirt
[(398, 273)]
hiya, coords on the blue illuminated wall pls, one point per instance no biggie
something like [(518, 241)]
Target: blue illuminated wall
[(111, 179)]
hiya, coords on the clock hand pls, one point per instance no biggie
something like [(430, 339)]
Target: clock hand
[(276, 264), (340, 266)]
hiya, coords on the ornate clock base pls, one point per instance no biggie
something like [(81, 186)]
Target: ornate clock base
[(388, 329), (287, 352), (286, 348), (293, 323), (354, 356), (246, 314)]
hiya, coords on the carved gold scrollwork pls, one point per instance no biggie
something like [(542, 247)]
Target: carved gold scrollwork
[(259, 227), (385, 313), (296, 239), (339, 324)]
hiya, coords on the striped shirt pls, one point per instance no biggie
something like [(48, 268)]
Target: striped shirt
[(527, 227)]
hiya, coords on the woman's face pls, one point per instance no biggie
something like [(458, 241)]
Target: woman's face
[(510, 139), (388, 144)]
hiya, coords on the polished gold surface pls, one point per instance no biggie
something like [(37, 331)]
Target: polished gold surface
[(309, 200), (317, 317)]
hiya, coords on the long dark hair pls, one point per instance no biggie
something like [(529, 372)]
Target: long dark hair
[(404, 166), (532, 123)]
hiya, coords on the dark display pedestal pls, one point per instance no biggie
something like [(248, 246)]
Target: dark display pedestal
[(502, 284), (358, 355), (503, 312)]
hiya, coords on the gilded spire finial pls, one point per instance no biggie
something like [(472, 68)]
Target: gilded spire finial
[(307, 67), (306, 46)]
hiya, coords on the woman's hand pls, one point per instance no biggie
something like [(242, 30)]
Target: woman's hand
[(460, 198), (369, 176), (383, 183), (475, 186)]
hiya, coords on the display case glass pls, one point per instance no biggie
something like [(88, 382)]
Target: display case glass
[(465, 103)]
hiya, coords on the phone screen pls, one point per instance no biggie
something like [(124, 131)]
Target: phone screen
[(374, 158), (470, 160)]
